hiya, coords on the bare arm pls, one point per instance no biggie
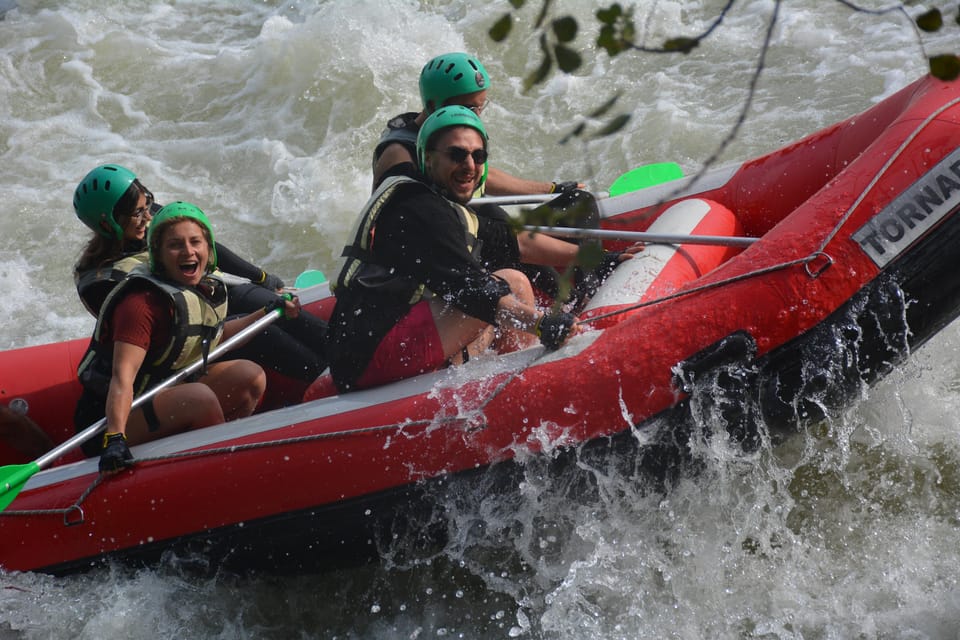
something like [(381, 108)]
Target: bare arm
[(127, 359), (501, 183), (539, 248)]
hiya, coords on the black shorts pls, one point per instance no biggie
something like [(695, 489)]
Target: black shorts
[(92, 408)]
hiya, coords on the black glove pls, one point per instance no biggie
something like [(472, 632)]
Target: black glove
[(271, 282), (280, 302), (564, 187), (589, 280), (607, 264), (553, 329), (115, 455)]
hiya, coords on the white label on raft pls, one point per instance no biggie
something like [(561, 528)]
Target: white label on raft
[(913, 212)]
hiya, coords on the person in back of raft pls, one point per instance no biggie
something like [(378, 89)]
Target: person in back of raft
[(412, 291), (162, 317), (113, 202)]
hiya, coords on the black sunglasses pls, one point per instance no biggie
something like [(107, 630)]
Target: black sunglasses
[(459, 155)]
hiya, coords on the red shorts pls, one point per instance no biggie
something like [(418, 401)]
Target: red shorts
[(410, 348)]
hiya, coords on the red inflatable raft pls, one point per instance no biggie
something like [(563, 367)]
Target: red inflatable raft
[(854, 265)]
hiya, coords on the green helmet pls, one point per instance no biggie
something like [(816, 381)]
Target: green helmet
[(452, 116), (97, 195), (173, 212), (449, 76)]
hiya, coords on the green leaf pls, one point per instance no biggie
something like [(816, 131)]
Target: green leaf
[(568, 60), (544, 12), (516, 4), (565, 28), (501, 28), (684, 45), (609, 15), (615, 125), (543, 70), (575, 133), (606, 106), (589, 255), (564, 288), (539, 75), (945, 67), (930, 21), (628, 32), (607, 40)]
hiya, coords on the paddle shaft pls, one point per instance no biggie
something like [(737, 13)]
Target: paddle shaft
[(222, 348), (533, 198), (642, 236)]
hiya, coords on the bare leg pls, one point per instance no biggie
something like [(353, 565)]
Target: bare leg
[(191, 405), (228, 390), (238, 384), (511, 338), (458, 330)]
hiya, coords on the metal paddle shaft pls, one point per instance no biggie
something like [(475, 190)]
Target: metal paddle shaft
[(14, 476), (642, 236), (638, 178), (533, 198)]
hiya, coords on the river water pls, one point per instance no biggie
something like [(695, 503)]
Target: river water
[(264, 114)]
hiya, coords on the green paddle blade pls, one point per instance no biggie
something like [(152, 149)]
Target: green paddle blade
[(12, 479), (646, 176), (309, 278)]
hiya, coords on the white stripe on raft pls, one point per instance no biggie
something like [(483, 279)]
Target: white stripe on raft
[(661, 269)]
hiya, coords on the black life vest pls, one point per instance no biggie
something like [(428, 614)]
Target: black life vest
[(358, 267)]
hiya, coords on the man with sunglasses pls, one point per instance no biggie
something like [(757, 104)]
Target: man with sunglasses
[(412, 291), (460, 79), (451, 79)]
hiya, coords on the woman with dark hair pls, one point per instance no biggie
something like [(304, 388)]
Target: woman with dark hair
[(112, 202)]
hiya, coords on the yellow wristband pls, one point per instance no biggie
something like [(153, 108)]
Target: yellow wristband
[(107, 434), (536, 325)]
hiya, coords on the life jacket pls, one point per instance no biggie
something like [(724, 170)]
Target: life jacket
[(94, 285), (358, 267), (197, 328), (400, 130)]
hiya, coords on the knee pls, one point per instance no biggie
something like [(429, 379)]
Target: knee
[(256, 380), (518, 281), (204, 406), (242, 389)]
